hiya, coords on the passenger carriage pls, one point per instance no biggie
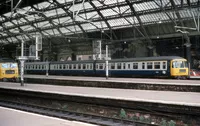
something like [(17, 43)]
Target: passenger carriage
[(163, 66)]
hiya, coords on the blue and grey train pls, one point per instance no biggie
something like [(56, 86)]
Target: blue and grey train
[(162, 66)]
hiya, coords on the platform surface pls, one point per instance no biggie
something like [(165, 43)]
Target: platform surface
[(121, 80), (12, 117), (165, 97)]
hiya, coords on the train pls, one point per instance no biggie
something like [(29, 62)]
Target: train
[(162, 66), (8, 70)]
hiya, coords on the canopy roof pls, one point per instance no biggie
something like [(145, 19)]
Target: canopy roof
[(68, 17)]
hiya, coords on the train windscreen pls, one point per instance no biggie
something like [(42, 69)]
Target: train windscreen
[(179, 64)]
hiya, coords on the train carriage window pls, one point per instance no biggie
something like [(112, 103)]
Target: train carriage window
[(124, 65), (97, 66), (164, 65), (156, 65), (91, 66), (74, 66), (84, 66), (79, 66), (88, 66), (70, 66), (101, 66), (119, 66), (143, 65), (135, 65), (54, 67), (178, 64), (60, 66), (64, 66), (112, 66), (129, 66), (149, 65)]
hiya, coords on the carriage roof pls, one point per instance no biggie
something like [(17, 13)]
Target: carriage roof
[(3, 60), (160, 58)]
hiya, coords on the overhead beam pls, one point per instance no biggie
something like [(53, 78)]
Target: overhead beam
[(139, 20), (47, 19), (70, 15), (177, 12)]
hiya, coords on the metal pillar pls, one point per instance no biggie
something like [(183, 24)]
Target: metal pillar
[(150, 53), (47, 72), (106, 61), (22, 60), (188, 53)]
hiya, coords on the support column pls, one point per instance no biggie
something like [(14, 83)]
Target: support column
[(188, 53), (150, 50)]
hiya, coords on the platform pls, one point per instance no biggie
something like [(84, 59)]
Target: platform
[(12, 117), (121, 83), (163, 97)]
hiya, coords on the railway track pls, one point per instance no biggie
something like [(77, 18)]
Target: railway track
[(69, 115)]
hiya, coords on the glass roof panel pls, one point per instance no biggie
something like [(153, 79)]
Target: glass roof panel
[(42, 24), (8, 24), (154, 17), (21, 20), (118, 22), (80, 6), (65, 20), (50, 31), (42, 5), (97, 3), (74, 28), (63, 1), (88, 26), (194, 1), (189, 13), (87, 16), (107, 2), (100, 25), (16, 30), (50, 13), (7, 14), (45, 33), (108, 12), (27, 28), (87, 5), (64, 30), (55, 31), (32, 17), (145, 6), (124, 9), (132, 20)]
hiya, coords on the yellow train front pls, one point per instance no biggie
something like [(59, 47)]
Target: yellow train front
[(9, 71), (179, 68)]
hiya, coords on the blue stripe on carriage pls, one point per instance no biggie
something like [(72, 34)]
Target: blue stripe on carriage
[(102, 72)]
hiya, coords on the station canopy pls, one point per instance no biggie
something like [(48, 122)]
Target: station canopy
[(23, 20)]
